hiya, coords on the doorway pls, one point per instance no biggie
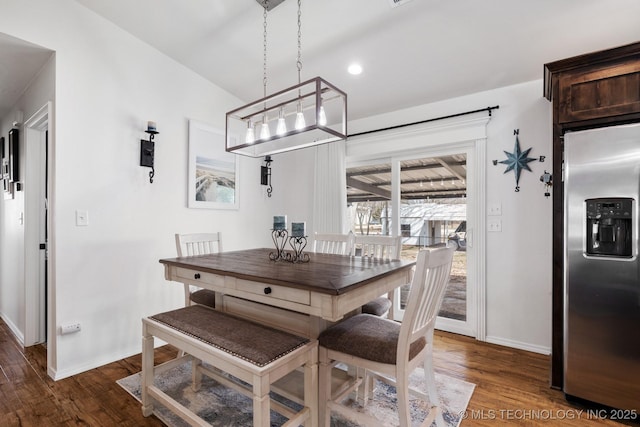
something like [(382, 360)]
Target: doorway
[(431, 210), (457, 148), (36, 143)]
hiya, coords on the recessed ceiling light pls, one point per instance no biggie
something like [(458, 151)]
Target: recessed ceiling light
[(355, 69)]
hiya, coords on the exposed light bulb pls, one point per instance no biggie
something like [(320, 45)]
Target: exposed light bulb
[(300, 123), (265, 133), (322, 116), (281, 129), (250, 136)]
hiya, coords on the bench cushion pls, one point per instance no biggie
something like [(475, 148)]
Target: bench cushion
[(250, 341)]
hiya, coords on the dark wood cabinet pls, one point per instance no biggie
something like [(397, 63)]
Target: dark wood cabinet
[(605, 91), (587, 91)]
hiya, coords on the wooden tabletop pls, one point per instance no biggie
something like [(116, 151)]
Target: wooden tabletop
[(325, 273)]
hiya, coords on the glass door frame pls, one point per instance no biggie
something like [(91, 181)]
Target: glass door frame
[(460, 136), (467, 326)]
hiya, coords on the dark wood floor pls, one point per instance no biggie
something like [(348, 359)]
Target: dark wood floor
[(512, 386)]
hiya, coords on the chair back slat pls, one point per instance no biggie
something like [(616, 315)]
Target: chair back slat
[(198, 244), (380, 247), (332, 243), (430, 279)]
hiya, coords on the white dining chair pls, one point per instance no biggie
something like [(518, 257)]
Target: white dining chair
[(379, 247), (387, 350), (332, 243), (198, 244)]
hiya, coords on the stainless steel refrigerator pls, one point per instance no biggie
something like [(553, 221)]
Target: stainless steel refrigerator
[(602, 268)]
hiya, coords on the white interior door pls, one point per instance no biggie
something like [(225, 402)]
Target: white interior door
[(35, 148)]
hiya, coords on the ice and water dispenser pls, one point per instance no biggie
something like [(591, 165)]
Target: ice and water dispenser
[(609, 229)]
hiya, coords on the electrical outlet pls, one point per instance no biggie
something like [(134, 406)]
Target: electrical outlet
[(494, 225), (69, 328)]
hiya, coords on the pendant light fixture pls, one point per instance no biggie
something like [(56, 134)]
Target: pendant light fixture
[(309, 113)]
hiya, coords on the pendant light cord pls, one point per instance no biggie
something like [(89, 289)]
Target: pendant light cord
[(299, 60), (264, 44)]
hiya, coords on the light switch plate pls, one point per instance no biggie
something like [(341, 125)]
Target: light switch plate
[(82, 218), (494, 225), (494, 209)]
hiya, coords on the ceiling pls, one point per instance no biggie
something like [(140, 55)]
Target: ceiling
[(20, 62), (432, 178), (419, 52)]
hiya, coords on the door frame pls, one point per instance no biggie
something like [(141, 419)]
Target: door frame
[(36, 300), (462, 134)]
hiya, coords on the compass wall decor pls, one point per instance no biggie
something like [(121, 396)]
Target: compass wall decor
[(518, 160)]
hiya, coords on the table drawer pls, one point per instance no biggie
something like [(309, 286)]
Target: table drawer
[(273, 291), (195, 277)]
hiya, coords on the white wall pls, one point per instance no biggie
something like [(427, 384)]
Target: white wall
[(518, 259), (107, 276)]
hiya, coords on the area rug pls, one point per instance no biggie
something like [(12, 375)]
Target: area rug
[(224, 407)]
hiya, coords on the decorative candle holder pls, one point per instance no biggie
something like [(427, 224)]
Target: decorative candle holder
[(147, 149), (297, 243), (279, 237)]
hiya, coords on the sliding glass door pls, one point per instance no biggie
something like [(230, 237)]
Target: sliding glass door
[(425, 197)]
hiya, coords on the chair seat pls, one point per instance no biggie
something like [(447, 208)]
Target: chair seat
[(377, 307), (368, 337), (204, 297)]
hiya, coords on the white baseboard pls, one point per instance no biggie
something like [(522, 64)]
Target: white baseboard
[(519, 345), (78, 369), (13, 328)]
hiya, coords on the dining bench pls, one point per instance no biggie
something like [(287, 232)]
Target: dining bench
[(231, 348)]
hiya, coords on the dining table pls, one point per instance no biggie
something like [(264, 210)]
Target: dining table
[(300, 297), (303, 298)]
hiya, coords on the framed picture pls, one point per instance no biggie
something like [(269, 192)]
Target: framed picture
[(7, 185), (5, 177), (213, 173), (14, 155)]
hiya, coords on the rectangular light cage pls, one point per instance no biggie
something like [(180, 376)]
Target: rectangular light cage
[(310, 113)]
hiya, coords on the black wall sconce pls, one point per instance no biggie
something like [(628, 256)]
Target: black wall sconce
[(147, 149), (265, 174)]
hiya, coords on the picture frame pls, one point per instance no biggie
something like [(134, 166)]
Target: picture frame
[(14, 155), (5, 177), (7, 185), (213, 178)]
